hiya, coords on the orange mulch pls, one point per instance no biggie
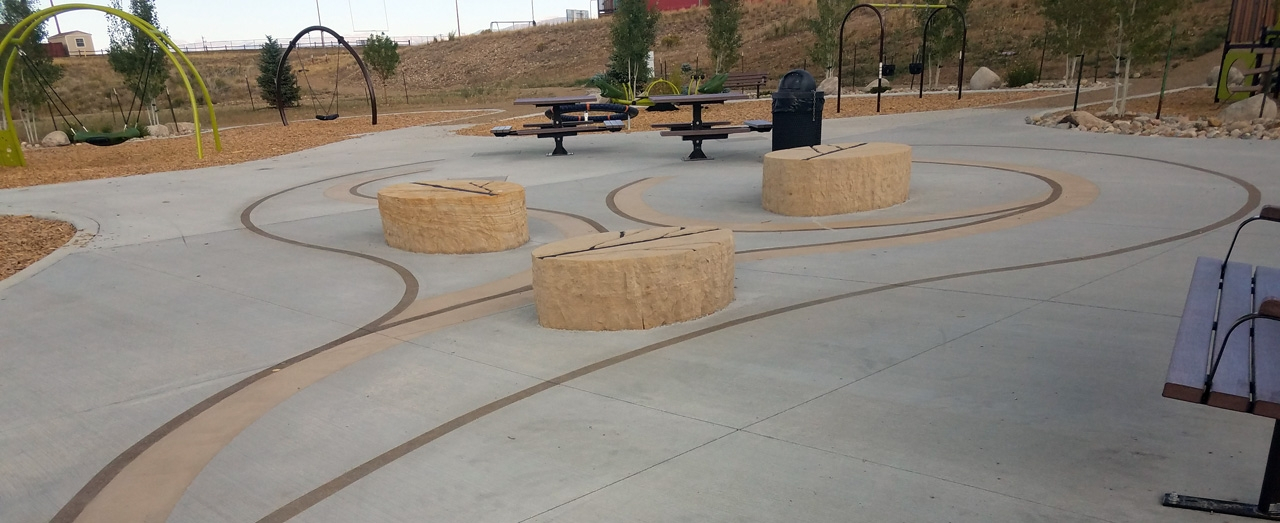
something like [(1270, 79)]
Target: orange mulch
[(24, 240)]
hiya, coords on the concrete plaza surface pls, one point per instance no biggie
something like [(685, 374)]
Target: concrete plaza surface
[(239, 344)]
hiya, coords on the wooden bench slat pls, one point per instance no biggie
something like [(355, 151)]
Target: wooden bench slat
[(708, 132), (1190, 360), (1266, 364), (1231, 384), (684, 125)]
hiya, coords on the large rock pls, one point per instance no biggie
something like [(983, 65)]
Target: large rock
[(158, 131), (637, 279), (186, 128), (829, 85), (454, 216), (884, 83), (1247, 110), (55, 139), (984, 79), (825, 180), (1234, 76), (1085, 119)]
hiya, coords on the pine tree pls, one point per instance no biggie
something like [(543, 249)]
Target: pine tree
[(634, 29), (134, 55), (723, 37), (268, 61), (27, 91), (383, 55)]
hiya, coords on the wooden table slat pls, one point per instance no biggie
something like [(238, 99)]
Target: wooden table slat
[(1231, 384), (1191, 348), (561, 100), (684, 99), (1266, 363)]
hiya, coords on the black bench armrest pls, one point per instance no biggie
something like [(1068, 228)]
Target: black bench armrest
[(1269, 213), (503, 130), (614, 125), (759, 126)]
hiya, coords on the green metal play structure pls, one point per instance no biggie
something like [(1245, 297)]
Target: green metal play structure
[(11, 147), (1253, 35)]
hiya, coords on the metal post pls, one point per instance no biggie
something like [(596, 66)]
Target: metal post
[(246, 87), (318, 22), (1164, 83), (1044, 48), (457, 13), (405, 81), (1076, 106)]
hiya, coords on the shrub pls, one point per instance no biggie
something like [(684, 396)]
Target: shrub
[(1022, 74), (670, 41)]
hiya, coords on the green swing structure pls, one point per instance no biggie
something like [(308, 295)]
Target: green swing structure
[(11, 147)]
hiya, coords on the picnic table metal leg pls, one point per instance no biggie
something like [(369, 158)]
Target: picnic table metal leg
[(1266, 500), (560, 150), (697, 153)]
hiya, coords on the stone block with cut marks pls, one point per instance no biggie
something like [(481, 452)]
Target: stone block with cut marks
[(632, 280), (826, 180), (454, 216)]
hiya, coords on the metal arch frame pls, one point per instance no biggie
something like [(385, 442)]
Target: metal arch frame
[(373, 99), (840, 58), (964, 46), (11, 148)]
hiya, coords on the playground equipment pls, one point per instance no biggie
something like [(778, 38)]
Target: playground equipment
[(373, 100), (11, 147), (625, 96), (883, 69), (611, 112), (1253, 35)]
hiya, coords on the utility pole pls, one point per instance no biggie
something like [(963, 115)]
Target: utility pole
[(458, 14), (533, 16), (55, 20)]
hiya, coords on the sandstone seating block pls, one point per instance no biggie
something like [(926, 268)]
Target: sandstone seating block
[(632, 280), (826, 180), (454, 216)]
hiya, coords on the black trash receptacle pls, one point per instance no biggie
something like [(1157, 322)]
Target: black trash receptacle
[(797, 111)]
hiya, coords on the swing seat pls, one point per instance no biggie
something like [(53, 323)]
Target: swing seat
[(327, 117), (106, 139)]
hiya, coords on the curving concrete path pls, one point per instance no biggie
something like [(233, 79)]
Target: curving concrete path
[(238, 343)]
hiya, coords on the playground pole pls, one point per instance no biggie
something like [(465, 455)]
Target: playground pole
[(1076, 106), (1164, 83)]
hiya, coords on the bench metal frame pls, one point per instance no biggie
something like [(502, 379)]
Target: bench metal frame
[(1269, 495)]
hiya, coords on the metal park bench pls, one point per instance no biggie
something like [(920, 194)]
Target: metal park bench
[(746, 80), (1227, 355)]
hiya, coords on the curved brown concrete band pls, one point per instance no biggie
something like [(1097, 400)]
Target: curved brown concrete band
[(628, 202)]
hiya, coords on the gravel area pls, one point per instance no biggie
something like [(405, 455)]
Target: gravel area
[(24, 240), (762, 109), (241, 144), (1186, 114)]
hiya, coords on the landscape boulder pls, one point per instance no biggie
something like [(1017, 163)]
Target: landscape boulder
[(158, 131), (1248, 110), (1085, 119), (829, 85), (1234, 76), (883, 83), (55, 139), (186, 128), (984, 79)]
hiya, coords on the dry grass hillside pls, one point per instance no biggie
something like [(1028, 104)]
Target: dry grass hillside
[(490, 67)]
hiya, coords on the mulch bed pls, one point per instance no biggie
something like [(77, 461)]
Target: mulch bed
[(24, 240)]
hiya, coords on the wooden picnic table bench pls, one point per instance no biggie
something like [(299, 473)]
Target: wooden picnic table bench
[(1227, 355), (741, 80)]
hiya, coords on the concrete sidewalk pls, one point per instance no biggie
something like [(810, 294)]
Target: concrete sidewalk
[(239, 344)]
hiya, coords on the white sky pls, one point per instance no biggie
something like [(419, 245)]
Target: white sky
[(189, 21)]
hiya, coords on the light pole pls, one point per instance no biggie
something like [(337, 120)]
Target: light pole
[(458, 14), (318, 22), (533, 17)]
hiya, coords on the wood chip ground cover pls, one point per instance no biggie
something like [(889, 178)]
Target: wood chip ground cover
[(24, 240)]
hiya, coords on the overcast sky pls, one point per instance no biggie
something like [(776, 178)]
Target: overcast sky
[(189, 21)]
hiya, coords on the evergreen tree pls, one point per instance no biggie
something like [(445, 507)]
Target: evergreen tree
[(383, 55), (722, 33), (634, 29), (134, 55), (826, 31), (268, 60), (27, 92)]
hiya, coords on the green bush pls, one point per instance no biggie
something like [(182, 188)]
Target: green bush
[(1022, 74)]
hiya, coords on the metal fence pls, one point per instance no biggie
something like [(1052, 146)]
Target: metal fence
[(311, 40)]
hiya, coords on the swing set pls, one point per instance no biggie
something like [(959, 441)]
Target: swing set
[(330, 113), (883, 68), (11, 146)]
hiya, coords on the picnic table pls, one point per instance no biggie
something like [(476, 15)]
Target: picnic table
[(557, 128), (698, 130)]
